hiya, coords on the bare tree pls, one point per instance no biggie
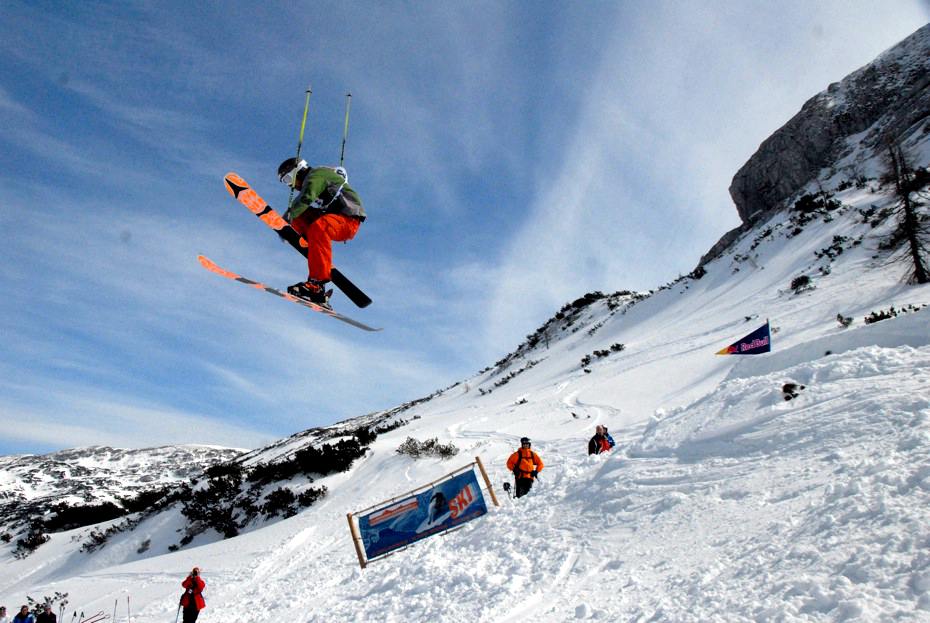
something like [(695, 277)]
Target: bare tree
[(913, 228)]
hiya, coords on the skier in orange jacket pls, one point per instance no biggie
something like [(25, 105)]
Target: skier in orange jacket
[(525, 465)]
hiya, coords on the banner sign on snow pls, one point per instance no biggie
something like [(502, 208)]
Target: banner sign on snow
[(448, 504), (759, 341)]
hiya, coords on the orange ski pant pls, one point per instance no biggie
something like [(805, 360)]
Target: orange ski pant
[(320, 233)]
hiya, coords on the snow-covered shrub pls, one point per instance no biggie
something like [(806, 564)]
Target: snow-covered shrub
[(801, 284), (366, 436), (67, 517), (31, 541), (601, 353), (810, 204), (214, 506), (308, 497), (698, 272), (329, 458), (513, 374), (891, 313), (281, 501), (431, 447), (58, 601)]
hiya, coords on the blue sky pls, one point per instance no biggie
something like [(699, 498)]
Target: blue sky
[(511, 156)]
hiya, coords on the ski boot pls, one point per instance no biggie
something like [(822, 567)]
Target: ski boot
[(313, 291)]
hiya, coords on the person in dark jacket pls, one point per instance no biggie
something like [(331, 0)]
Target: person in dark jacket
[(46, 616), (326, 209), (192, 600), (601, 442)]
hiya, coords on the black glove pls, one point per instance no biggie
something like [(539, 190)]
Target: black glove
[(533, 473)]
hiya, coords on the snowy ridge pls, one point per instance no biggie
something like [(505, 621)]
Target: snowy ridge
[(32, 484), (101, 473)]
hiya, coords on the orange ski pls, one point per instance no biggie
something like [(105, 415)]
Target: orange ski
[(214, 268)]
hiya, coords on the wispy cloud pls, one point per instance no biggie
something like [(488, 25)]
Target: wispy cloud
[(67, 419), (9, 104)]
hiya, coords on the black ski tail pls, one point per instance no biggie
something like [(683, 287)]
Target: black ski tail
[(349, 289)]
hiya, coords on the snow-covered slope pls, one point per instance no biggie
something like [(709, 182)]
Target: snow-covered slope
[(722, 502)]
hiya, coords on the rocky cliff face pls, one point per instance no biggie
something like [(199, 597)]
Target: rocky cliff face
[(840, 128)]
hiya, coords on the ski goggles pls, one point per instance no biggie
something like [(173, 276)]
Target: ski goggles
[(291, 176)]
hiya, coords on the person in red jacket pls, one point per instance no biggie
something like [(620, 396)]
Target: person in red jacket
[(192, 599), (601, 442), (525, 465)]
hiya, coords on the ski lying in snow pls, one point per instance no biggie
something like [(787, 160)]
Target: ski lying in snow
[(213, 267), (247, 196)]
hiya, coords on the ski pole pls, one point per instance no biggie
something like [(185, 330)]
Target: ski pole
[(115, 603), (128, 611), (178, 614), (345, 130), (303, 122), (300, 138)]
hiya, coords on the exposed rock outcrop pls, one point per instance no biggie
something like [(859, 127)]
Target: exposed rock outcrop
[(841, 126)]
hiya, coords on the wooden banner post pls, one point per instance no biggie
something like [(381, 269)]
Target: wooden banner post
[(357, 541), (487, 480)]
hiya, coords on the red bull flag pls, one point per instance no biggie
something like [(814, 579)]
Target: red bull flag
[(757, 342)]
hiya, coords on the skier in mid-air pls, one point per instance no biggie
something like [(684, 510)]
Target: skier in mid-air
[(325, 209)]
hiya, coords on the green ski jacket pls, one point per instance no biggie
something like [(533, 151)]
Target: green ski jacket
[(329, 193)]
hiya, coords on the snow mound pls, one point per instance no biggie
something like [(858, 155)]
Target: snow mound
[(875, 387)]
